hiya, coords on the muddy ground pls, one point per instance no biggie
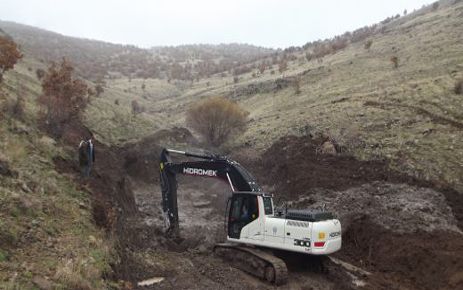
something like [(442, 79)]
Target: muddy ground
[(401, 233)]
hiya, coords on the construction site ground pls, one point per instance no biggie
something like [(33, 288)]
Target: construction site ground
[(398, 232)]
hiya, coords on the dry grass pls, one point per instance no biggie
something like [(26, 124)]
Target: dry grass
[(414, 117), (45, 222)]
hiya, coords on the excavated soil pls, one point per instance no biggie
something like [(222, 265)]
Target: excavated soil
[(405, 231), (401, 232), (292, 168)]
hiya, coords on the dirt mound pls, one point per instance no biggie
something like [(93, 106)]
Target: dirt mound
[(406, 261), (403, 230), (293, 167), (141, 159), (397, 207)]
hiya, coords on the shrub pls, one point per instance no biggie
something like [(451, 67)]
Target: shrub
[(435, 5), (368, 44), (216, 119), (9, 55), (308, 56), (40, 73), (137, 108), (64, 96), (15, 108), (297, 85), (395, 61), (99, 90), (338, 44), (458, 89), (282, 66)]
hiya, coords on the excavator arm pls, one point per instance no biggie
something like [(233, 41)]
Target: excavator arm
[(203, 165)]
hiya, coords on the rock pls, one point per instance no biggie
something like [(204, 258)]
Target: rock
[(47, 141), (328, 148), (25, 188), (92, 240), (151, 281)]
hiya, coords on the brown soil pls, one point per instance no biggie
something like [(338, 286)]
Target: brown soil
[(293, 168), (416, 259), (130, 212), (400, 261)]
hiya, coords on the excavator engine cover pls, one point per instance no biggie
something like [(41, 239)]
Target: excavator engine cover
[(308, 215)]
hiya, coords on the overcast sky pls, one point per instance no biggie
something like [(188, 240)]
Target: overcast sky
[(145, 23)]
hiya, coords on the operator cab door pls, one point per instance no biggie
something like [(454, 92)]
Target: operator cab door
[(244, 211)]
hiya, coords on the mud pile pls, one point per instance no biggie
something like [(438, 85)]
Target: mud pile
[(141, 159), (400, 208), (403, 230), (292, 168)]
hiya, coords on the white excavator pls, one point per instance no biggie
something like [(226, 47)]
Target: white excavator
[(253, 225)]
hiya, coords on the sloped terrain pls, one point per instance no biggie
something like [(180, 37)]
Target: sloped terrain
[(379, 145)]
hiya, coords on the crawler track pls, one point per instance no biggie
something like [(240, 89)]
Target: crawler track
[(255, 262)]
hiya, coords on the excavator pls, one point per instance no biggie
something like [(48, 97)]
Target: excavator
[(253, 225)]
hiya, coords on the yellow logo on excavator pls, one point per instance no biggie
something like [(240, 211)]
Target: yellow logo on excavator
[(321, 235)]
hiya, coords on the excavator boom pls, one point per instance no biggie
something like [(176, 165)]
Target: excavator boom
[(209, 165)]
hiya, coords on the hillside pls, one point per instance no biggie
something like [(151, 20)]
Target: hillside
[(409, 114), (383, 96), (97, 59)]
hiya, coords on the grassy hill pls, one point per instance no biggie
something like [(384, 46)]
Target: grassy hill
[(96, 59), (355, 95), (409, 114), (47, 236)]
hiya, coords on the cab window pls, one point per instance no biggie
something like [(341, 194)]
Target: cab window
[(268, 209)]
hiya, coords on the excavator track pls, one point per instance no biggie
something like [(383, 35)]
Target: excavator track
[(254, 261)]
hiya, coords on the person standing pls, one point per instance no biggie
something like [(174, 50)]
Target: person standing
[(86, 156), (91, 156)]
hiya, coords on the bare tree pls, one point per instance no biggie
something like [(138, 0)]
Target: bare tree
[(216, 119)]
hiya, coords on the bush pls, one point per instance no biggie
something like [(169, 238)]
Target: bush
[(282, 66), (40, 73), (297, 85), (216, 119), (64, 96), (368, 44), (9, 55), (395, 61), (15, 108), (458, 89), (137, 108)]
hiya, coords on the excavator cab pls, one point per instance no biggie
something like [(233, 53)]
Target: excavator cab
[(244, 209)]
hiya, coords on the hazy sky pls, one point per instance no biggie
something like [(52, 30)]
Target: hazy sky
[(271, 23)]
